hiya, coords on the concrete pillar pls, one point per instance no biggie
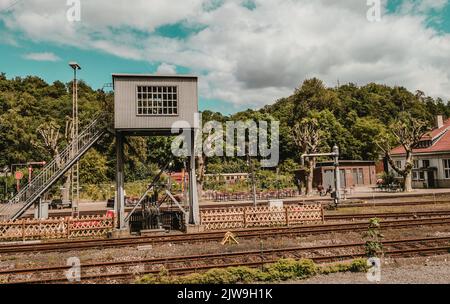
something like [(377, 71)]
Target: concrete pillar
[(40, 209), (119, 206), (194, 211)]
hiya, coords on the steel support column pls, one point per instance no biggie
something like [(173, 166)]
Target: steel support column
[(337, 176), (119, 205), (194, 211)]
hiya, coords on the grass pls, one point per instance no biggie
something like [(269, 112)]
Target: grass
[(282, 270)]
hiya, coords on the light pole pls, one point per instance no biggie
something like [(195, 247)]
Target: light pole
[(75, 169)]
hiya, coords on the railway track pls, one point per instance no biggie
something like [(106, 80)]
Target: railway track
[(326, 202), (129, 269), (385, 215), (60, 246)]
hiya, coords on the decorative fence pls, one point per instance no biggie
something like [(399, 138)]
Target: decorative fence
[(246, 217), (218, 196), (56, 228)]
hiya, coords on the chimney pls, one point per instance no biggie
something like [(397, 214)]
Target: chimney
[(439, 121)]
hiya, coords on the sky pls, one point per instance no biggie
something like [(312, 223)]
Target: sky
[(247, 53)]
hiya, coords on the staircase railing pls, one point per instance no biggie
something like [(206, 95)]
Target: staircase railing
[(53, 170)]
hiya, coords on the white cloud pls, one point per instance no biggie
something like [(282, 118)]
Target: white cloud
[(46, 56), (422, 6), (252, 57), (166, 69)]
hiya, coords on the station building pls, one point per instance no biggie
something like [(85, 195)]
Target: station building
[(431, 157)]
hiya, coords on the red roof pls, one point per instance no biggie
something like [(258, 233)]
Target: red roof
[(441, 144)]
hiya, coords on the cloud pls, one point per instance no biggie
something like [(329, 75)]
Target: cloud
[(42, 57), (166, 69), (250, 57), (422, 6)]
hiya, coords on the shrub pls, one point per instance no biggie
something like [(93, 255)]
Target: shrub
[(284, 269), (359, 265)]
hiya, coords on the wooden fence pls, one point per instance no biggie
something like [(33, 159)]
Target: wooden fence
[(247, 217), (56, 228)]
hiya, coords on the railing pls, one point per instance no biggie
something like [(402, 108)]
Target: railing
[(53, 171), (247, 217), (56, 228), (218, 196)]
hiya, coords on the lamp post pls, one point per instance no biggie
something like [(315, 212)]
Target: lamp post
[(75, 170)]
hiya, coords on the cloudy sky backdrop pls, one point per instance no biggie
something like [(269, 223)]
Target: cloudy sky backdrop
[(247, 53)]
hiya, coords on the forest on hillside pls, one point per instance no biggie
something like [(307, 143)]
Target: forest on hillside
[(351, 116)]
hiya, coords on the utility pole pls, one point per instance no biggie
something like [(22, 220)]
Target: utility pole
[(75, 171), (252, 172)]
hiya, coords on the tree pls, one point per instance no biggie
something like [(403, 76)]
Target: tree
[(51, 141), (211, 136), (406, 132), (93, 168), (308, 137)]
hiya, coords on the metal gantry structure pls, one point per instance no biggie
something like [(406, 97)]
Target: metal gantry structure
[(337, 180)]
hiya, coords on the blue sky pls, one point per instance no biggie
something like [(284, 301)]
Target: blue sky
[(247, 53)]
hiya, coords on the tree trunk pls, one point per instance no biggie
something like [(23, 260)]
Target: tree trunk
[(407, 177), (309, 178), (65, 193), (407, 182), (200, 176)]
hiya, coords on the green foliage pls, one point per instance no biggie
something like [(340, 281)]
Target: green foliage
[(286, 269), (373, 237), (282, 270), (93, 168), (359, 265), (388, 178)]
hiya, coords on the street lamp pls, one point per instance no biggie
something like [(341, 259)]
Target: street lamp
[(75, 170)]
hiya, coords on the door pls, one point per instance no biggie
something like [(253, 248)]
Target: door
[(430, 178), (328, 179), (342, 179)]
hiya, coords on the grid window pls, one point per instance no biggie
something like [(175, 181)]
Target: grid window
[(446, 168), (157, 100), (358, 176)]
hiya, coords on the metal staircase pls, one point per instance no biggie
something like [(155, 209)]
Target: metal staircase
[(54, 170)]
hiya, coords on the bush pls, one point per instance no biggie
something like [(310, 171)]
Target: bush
[(359, 265), (284, 269)]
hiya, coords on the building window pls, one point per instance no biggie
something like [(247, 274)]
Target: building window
[(426, 163), (415, 174), (446, 168), (157, 100), (358, 176)]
